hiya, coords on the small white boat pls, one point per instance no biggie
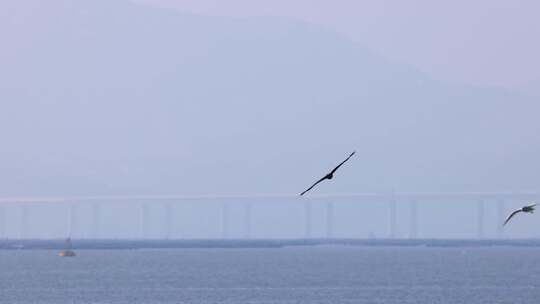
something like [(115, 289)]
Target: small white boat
[(68, 252)]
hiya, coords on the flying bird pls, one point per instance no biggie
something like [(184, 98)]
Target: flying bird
[(527, 209), (329, 175)]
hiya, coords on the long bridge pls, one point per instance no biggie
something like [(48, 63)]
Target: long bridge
[(249, 203)]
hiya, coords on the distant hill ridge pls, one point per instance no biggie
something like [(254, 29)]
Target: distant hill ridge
[(112, 97)]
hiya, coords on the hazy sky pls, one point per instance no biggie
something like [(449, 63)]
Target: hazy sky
[(111, 98), (482, 42)]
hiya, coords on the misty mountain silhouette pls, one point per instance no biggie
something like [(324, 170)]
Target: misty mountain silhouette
[(112, 97)]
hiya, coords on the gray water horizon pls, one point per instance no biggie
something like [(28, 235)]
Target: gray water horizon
[(224, 243)]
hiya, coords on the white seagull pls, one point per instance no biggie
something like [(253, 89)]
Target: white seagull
[(526, 209)]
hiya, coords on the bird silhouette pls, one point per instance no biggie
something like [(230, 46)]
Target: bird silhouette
[(329, 175), (526, 209)]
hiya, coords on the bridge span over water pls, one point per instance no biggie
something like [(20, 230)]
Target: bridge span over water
[(249, 202)]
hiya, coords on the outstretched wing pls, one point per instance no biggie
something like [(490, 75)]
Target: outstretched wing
[(532, 205), (511, 216), (313, 186), (336, 168)]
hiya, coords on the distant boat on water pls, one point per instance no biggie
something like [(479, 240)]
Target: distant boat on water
[(68, 252)]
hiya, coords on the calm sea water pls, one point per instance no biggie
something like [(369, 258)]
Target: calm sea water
[(287, 275)]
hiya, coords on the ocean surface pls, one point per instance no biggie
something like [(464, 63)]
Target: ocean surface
[(310, 274)]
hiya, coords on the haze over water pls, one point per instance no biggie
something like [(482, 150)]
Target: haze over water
[(110, 99)]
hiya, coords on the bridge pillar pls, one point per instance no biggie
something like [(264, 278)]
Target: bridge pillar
[(480, 219), (169, 210), (224, 220), (500, 218), (24, 222), (329, 220), (247, 220), (392, 218), (95, 221), (307, 220), (413, 232), (143, 221), (3, 222)]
